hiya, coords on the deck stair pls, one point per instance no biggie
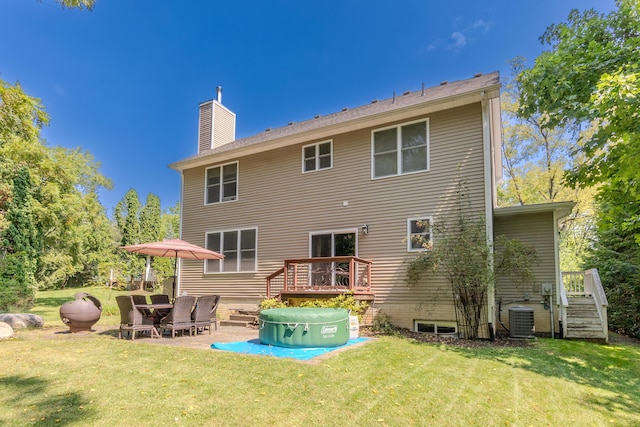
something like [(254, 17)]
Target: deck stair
[(583, 321), (243, 318)]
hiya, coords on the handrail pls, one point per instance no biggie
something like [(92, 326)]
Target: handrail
[(271, 277), (600, 299)]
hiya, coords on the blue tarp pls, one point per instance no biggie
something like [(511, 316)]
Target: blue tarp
[(256, 347)]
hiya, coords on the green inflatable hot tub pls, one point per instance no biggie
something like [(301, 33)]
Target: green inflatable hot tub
[(304, 327)]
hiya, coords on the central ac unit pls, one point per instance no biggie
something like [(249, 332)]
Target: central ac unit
[(521, 322)]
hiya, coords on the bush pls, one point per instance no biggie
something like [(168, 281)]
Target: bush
[(268, 303), (382, 324), (345, 300)]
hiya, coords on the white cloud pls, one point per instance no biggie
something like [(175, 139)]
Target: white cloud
[(461, 38), (481, 26), (459, 41)]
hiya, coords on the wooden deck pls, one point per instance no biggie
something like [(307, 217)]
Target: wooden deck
[(321, 278)]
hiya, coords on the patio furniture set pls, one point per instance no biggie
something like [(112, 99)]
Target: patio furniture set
[(186, 313)]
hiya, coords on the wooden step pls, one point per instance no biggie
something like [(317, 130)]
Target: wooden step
[(244, 318), (583, 320), (242, 323), (586, 334)]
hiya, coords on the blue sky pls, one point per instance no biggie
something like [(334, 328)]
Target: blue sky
[(124, 81)]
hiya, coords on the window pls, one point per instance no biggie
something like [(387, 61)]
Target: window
[(221, 183), (418, 234), (435, 328), (400, 149), (239, 248), (317, 156)]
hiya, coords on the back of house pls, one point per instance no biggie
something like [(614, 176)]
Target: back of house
[(360, 187)]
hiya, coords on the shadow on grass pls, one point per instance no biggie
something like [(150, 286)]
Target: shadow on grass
[(613, 368), (39, 404)]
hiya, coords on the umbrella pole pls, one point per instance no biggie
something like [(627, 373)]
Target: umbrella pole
[(175, 269)]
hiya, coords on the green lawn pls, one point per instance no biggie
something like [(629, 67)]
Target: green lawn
[(95, 379)]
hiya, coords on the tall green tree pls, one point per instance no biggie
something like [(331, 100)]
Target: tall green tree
[(21, 244), (591, 77), (150, 220), (128, 218), (536, 158), (65, 184)]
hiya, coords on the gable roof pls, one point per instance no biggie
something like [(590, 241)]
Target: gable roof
[(424, 101)]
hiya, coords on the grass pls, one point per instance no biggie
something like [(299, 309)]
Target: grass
[(48, 302), (94, 379)]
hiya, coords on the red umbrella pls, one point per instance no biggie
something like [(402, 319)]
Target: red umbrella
[(174, 248)]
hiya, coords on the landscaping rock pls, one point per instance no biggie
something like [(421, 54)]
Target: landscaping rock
[(17, 321), (6, 331)]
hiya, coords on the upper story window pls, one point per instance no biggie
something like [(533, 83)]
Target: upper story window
[(400, 149), (419, 234), (239, 248), (221, 183), (317, 156)]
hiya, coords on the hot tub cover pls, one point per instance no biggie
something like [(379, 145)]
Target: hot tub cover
[(304, 327)]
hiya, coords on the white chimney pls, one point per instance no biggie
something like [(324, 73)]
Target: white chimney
[(219, 89)]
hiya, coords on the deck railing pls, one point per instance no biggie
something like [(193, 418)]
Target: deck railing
[(326, 274)]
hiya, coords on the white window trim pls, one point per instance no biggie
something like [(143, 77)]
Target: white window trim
[(399, 149), (333, 232), (419, 218), (317, 145), (221, 166), (255, 265), (436, 323)]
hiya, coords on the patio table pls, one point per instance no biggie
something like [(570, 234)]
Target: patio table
[(154, 307)]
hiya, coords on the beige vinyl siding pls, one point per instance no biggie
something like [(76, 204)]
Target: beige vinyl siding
[(534, 229), (286, 205), (224, 125), (205, 126)]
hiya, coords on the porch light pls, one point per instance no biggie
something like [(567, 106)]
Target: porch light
[(365, 229)]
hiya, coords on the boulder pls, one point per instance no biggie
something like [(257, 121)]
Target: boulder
[(6, 331), (24, 320)]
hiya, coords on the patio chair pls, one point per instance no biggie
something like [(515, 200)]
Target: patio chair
[(179, 318), (131, 319), (141, 299), (162, 312), (201, 316)]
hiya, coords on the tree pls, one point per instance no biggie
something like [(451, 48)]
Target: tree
[(65, 206), (591, 77), (78, 4), (535, 160), (618, 259), (461, 251), (21, 243), (128, 215), (150, 223)]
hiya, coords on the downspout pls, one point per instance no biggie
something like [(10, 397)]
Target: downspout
[(487, 122), (178, 261)]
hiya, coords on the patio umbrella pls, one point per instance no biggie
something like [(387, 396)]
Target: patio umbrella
[(174, 248)]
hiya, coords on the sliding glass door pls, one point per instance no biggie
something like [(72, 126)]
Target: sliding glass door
[(332, 244)]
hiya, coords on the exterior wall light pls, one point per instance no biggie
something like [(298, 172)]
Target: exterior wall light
[(365, 229)]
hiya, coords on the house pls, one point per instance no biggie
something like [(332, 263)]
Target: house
[(344, 201)]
